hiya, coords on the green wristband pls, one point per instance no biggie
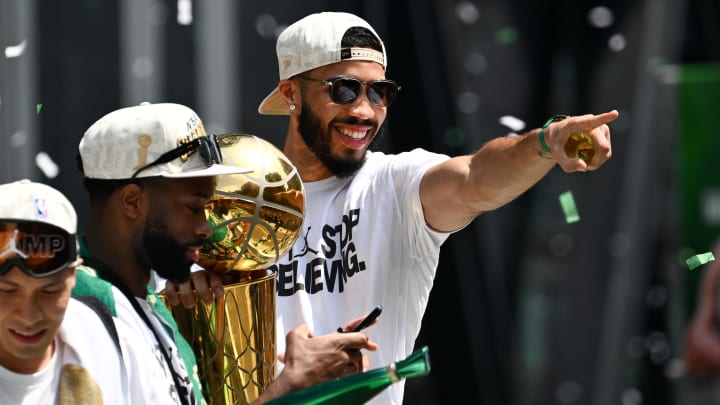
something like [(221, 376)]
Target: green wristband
[(554, 118)]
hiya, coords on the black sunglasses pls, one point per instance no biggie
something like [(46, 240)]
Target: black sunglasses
[(345, 90), (207, 146), (38, 249)]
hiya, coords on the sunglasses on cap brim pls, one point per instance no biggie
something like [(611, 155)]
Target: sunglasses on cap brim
[(206, 145), (345, 90), (36, 248)]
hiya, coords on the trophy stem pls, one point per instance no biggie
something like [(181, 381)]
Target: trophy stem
[(234, 339)]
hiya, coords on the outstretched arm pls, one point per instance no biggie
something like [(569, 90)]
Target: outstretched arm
[(456, 191)]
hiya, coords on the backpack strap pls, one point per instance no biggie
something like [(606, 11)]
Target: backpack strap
[(103, 312)]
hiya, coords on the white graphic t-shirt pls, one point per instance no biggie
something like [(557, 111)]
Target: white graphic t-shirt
[(82, 339), (364, 243)]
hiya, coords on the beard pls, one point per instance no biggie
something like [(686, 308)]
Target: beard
[(167, 256), (317, 139)]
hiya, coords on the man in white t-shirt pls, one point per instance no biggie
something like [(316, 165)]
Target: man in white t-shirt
[(375, 222), (54, 349)]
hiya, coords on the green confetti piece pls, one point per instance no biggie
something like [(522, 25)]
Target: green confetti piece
[(38, 107), (454, 137), (506, 36), (568, 205), (698, 260)]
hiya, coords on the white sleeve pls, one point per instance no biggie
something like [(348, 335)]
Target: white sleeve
[(147, 379), (89, 340)]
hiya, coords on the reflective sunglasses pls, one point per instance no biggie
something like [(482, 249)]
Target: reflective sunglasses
[(345, 90), (207, 146), (36, 248)]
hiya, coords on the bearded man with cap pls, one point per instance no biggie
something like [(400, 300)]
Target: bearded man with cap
[(54, 349), (375, 222), (149, 171)]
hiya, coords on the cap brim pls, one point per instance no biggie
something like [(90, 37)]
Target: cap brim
[(274, 104), (214, 170)]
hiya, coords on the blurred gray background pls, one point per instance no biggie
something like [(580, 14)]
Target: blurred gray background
[(526, 309)]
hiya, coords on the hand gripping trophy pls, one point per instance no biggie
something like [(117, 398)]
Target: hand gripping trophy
[(256, 217)]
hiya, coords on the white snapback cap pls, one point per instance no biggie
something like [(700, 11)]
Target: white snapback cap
[(125, 140), (25, 200), (312, 42)]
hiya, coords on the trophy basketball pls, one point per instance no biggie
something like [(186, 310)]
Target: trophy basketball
[(256, 217)]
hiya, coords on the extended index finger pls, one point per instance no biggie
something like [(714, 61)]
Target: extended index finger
[(355, 322), (600, 119)]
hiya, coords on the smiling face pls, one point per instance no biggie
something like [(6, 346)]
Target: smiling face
[(31, 311), (339, 134)]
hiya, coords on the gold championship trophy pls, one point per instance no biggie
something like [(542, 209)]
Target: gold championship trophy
[(255, 217)]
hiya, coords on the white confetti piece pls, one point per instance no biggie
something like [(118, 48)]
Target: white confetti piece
[(600, 17), (514, 123), (184, 12), (15, 50), (467, 12), (617, 43), (18, 139), (46, 164)]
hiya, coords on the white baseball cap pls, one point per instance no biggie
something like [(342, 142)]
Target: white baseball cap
[(312, 42), (24, 200), (39, 251), (129, 139)]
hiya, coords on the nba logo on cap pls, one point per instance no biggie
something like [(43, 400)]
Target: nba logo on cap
[(40, 208)]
